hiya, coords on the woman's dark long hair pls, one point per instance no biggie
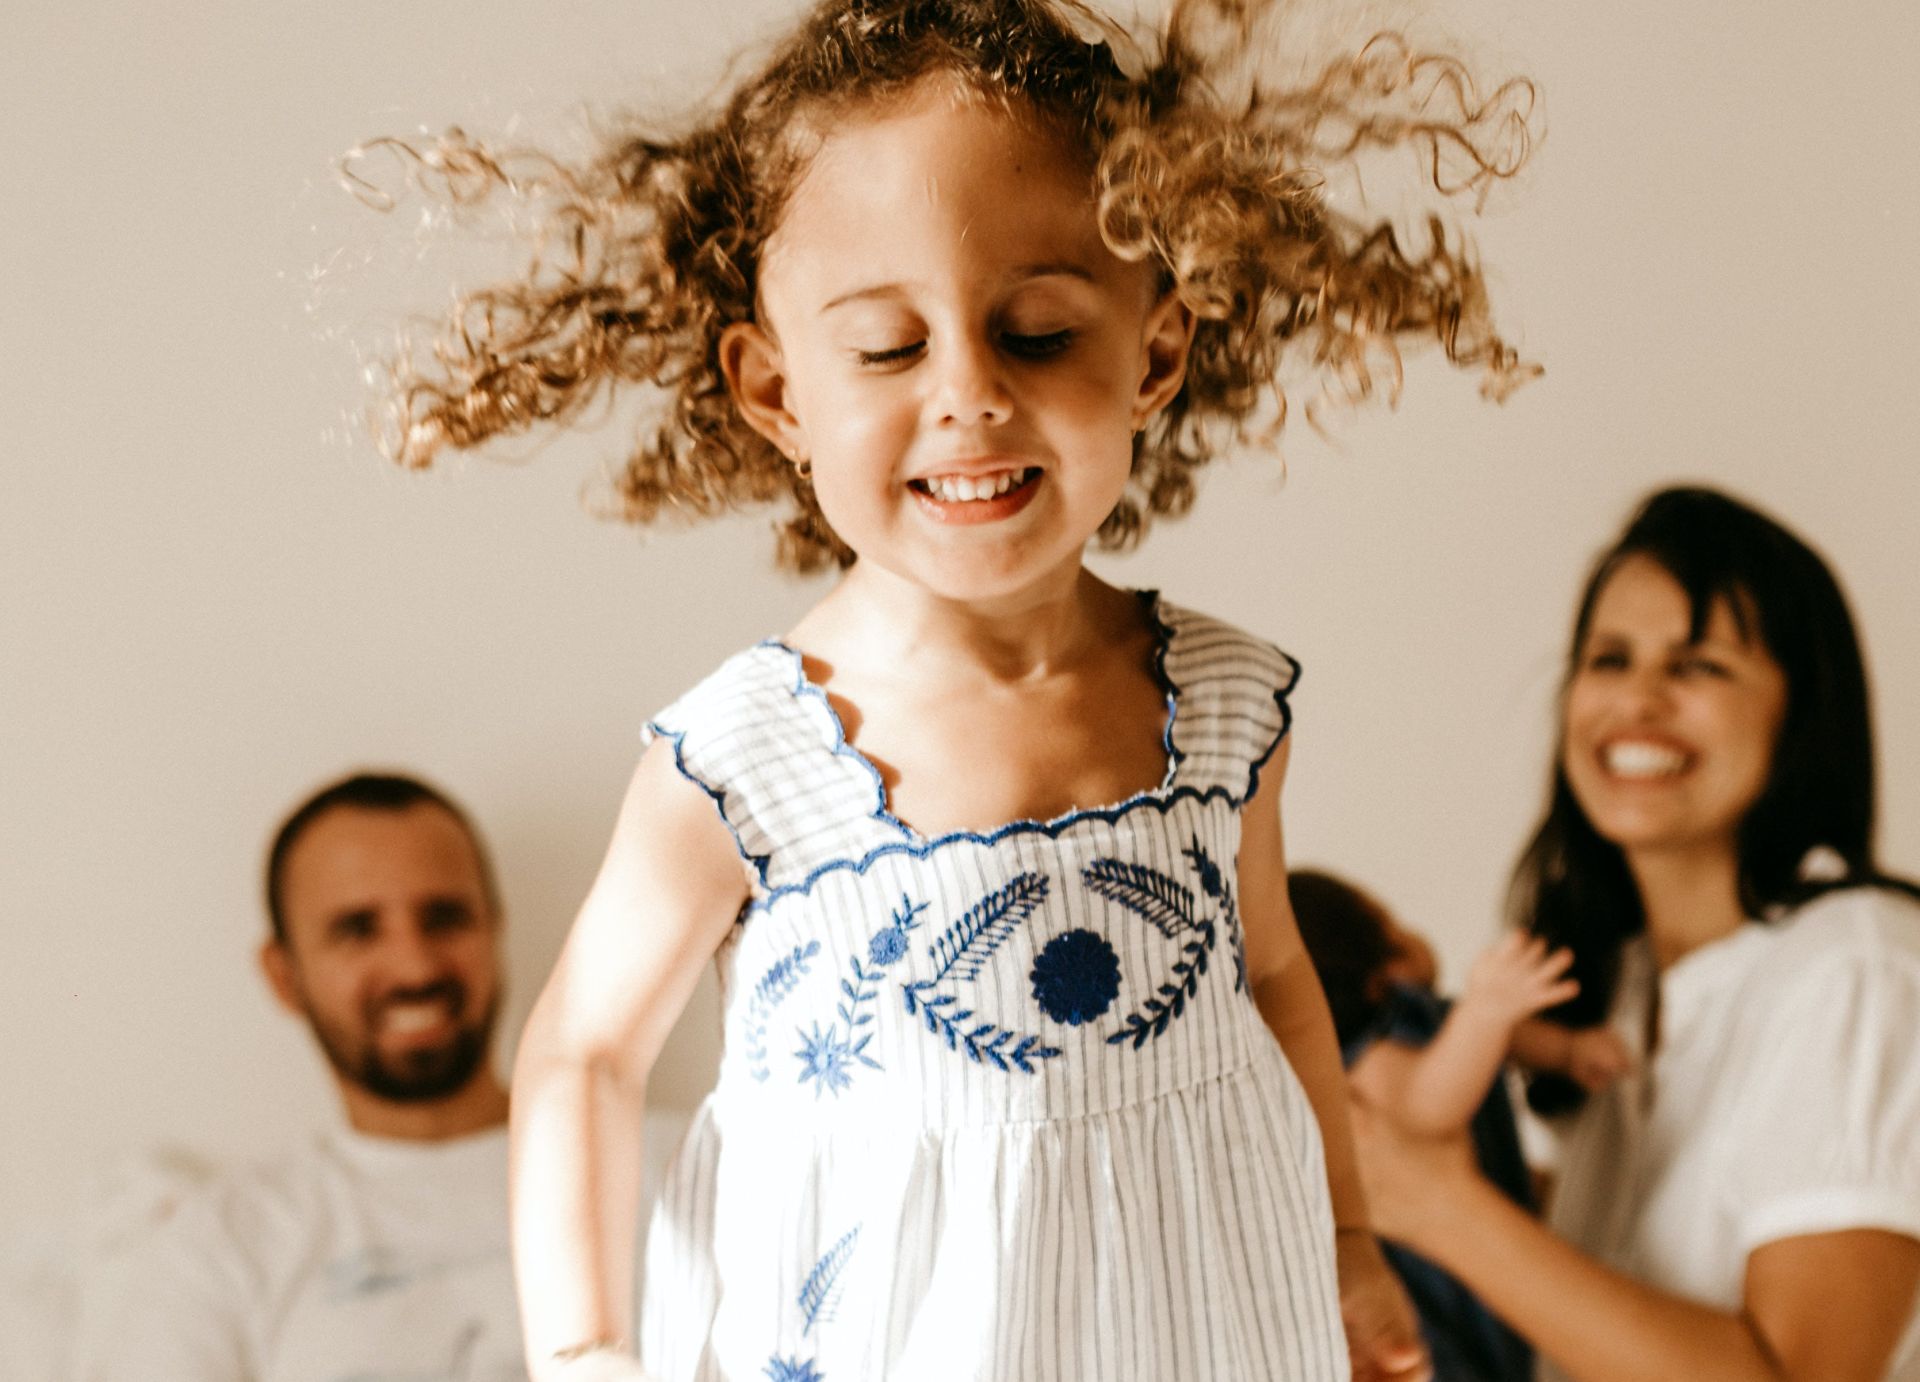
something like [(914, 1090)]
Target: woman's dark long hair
[(1573, 887)]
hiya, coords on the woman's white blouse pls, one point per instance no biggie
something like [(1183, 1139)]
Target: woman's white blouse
[(1783, 1099)]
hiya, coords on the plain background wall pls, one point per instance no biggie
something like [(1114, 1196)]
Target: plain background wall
[(215, 595)]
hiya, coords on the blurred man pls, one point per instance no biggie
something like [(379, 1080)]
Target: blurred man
[(379, 1251)]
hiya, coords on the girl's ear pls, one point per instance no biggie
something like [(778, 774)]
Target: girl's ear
[(1169, 336), (757, 378)]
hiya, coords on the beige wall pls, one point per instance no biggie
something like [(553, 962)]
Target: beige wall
[(213, 598)]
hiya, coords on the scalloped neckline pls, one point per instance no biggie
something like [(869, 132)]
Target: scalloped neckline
[(1164, 633)]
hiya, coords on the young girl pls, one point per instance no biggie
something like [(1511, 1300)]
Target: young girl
[(1436, 1065), (1026, 1074)]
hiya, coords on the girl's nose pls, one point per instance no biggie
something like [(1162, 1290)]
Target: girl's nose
[(969, 389)]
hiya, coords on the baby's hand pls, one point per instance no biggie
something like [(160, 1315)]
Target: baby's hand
[(1518, 977), (1596, 1057)]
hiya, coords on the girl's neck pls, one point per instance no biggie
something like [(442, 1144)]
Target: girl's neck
[(1691, 896), (879, 619)]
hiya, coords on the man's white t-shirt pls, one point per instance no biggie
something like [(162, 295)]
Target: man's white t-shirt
[(1783, 1099), (359, 1259)]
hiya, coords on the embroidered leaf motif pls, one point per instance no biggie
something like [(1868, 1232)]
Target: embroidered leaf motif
[(1152, 1018), (1164, 903), (821, 1291), (856, 994), (1216, 886), (780, 1369), (1212, 882), (971, 941), (779, 981), (984, 1043)]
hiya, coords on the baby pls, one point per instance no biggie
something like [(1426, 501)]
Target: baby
[(1434, 1066)]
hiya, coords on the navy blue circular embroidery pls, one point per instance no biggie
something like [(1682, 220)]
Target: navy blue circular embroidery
[(889, 944), (1076, 977)]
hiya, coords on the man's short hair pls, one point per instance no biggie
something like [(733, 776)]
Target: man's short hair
[(363, 792)]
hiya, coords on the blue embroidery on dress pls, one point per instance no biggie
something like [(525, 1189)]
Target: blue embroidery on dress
[(1215, 885), (1163, 802), (1162, 902), (970, 942), (1162, 644), (985, 1043), (1164, 799), (1169, 907), (793, 1370), (1077, 977), (889, 943), (779, 981), (828, 1057), (960, 953), (678, 738), (820, 1293), (804, 686)]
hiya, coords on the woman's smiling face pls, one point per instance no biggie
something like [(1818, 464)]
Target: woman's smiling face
[(1669, 740), (952, 347)]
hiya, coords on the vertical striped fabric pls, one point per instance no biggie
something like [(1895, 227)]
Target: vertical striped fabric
[(992, 1106)]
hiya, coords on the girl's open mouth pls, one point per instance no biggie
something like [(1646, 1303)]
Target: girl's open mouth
[(976, 498)]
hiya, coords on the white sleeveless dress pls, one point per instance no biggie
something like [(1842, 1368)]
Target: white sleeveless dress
[(992, 1106)]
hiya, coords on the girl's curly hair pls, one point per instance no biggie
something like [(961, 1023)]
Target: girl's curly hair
[(646, 251)]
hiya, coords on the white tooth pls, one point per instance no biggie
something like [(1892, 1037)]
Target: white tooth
[(1004, 483), (414, 1017), (975, 488), (1643, 760)]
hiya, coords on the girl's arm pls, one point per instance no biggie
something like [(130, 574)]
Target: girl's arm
[(670, 886), (1825, 1305), (1382, 1335), (1438, 1088)]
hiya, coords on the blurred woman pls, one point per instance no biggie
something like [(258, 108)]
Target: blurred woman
[(1745, 1202)]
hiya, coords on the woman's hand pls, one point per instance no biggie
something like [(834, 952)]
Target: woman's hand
[(1410, 1178), (1596, 1057), (1383, 1335)]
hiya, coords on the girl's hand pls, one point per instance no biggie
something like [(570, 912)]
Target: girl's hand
[(1383, 1335), (1596, 1057), (1410, 1178), (1518, 977)]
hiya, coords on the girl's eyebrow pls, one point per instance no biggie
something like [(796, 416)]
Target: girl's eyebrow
[(1025, 273)]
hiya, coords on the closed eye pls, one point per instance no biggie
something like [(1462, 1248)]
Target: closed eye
[(898, 355), (1037, 347)]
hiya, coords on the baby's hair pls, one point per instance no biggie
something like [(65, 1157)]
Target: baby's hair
[(1347, 937), (646, 251)]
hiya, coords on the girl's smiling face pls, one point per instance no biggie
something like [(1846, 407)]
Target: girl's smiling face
[(1669, 741), (948, 342)]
